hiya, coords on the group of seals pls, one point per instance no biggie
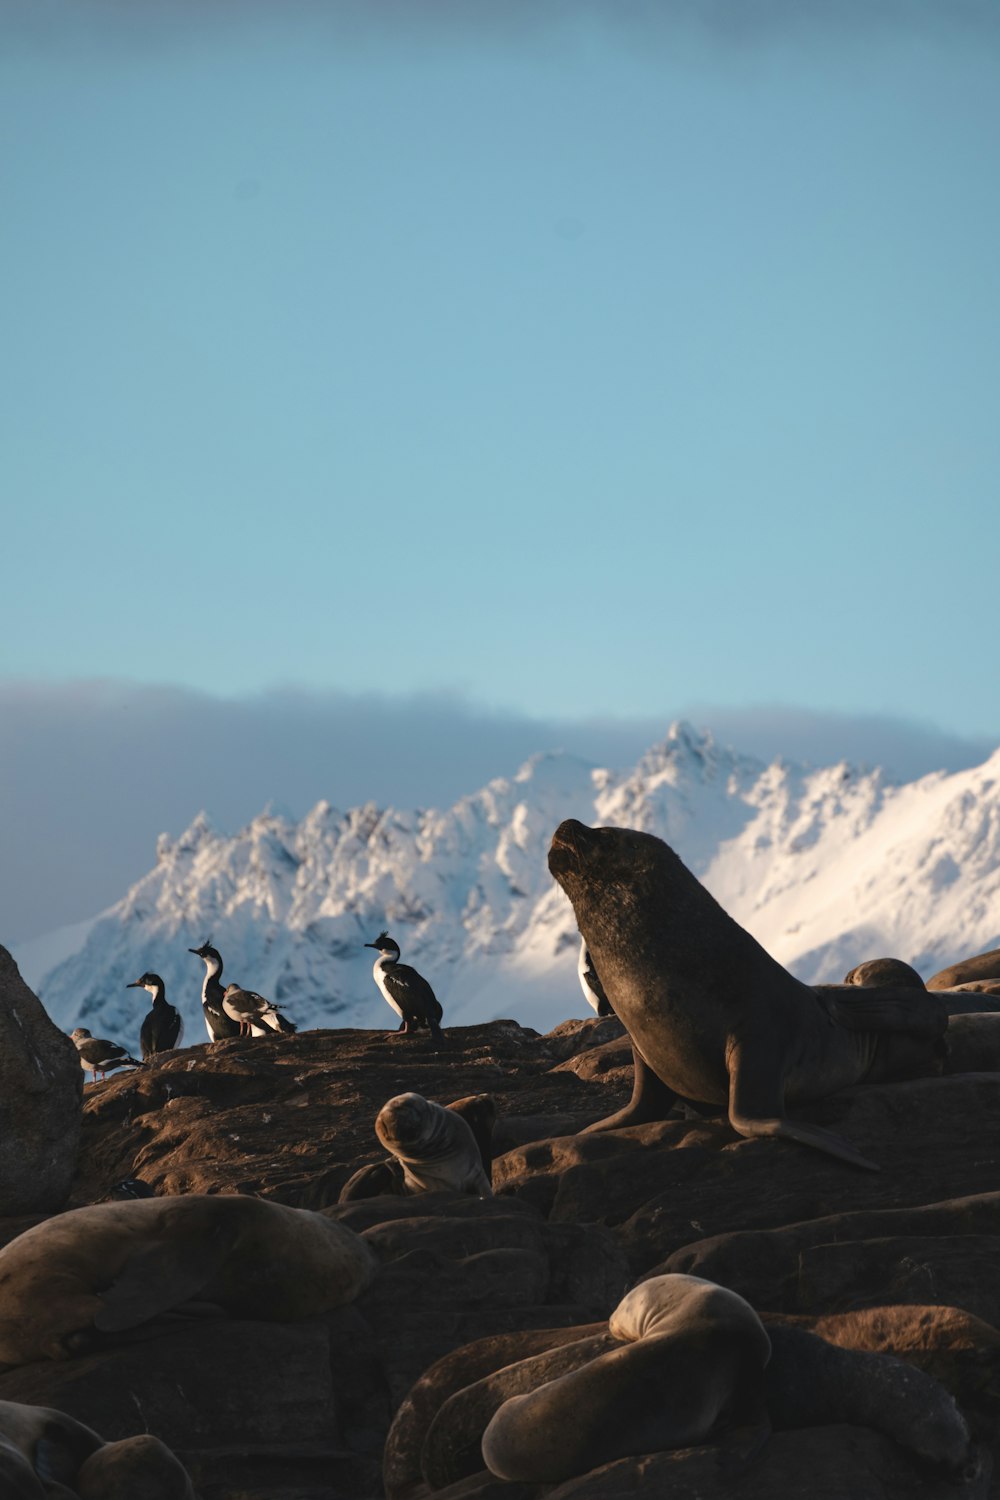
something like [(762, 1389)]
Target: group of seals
[(680, 1362), (46, 1455), (712, 1017), (95, 1272)]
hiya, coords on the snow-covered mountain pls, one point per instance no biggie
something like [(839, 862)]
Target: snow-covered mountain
[(825, 867)]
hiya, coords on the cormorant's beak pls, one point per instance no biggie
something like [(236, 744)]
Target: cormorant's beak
[(135, 985), (371, 945), (195, 951)]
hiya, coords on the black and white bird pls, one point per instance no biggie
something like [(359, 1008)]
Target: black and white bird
[(98, 1055), (219, 1025), (408, 992), (252, 1012), (590, 983), (163, 1027)]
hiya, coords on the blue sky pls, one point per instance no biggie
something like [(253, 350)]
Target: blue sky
[(593, 367), (382, 401)]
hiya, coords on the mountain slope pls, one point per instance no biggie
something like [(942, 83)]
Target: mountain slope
[(826, 868)]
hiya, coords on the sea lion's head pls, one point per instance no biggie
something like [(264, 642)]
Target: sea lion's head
[(405, 1124), (616, 878)]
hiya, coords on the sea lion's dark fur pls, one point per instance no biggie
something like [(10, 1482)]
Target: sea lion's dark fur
[(712, 1016)]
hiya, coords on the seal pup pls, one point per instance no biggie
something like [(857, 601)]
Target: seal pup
[(98, 1055), (434, 1146), (93, 1272), (713, 1018), (406, 991), (252, 1011), (163, 1028), (692, 1358), (593, 989)]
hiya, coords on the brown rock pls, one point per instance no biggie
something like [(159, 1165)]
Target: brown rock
[(41, 1089)]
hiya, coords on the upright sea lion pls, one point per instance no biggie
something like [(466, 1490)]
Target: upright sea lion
[(434, 1145), (714, 1018), (692, 1356), (98, 1271)]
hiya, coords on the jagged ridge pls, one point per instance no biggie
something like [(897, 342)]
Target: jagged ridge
[(826, 867)]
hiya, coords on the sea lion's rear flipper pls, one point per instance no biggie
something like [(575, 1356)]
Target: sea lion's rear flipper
[(888, 1009), (651, 1100), (756, 1105), (161, 1274)]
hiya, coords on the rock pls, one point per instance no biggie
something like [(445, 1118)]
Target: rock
[(41, 1092), (939, 1253), (823, 1463), (665, 1184)]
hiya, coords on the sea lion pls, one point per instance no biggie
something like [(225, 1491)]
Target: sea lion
[(46, 1455), (98, 1271), (691, 1357), (713, 1018), (810, 1382), (434, 1145), (876, 972), (981, 966), (387, 1178)]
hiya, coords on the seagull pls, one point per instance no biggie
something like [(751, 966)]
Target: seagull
[(97, 1054), (163, 1028), (251, 1009), (408, 992)]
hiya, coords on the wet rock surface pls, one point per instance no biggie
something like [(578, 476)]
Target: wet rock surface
[(901, 1262)]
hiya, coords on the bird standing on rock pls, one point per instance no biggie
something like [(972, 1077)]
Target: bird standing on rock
[(409, 994), (251, 1010), (217, 1023), (163, 1028), (97, 1054)]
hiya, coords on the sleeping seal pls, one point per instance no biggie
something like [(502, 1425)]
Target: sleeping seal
[(712, 1017), (110, 1267), (691, 1354), (434, 1146), (46, 1455)]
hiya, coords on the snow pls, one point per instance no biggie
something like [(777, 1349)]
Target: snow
[(826, 867)]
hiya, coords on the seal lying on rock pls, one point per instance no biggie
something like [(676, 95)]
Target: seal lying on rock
[(44, 1453), (110, 1267), (692, 1353), (712, 1017)]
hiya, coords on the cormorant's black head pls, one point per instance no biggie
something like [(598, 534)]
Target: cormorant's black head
[(151, 982), (385, 944), (206, 951)]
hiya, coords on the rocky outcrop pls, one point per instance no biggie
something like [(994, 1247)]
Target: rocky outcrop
[(41, 1086), (898, 1263)]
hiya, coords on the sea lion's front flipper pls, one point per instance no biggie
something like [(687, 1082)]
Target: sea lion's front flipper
[(887, 1009), (651, 1100), (756, 1108), (161, 1274)]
